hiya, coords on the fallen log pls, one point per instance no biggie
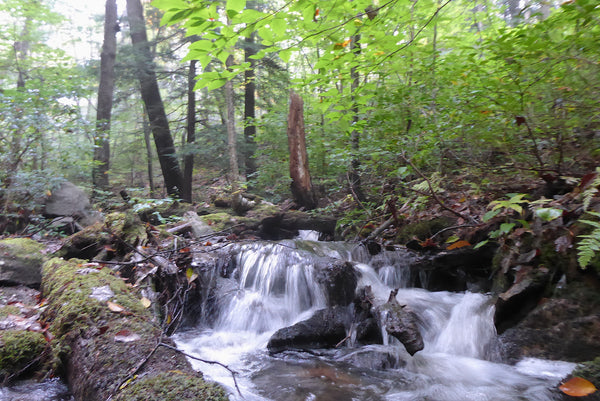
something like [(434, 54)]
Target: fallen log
[(111, 344)]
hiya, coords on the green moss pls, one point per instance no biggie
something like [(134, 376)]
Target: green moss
[(24, 249), (19, 348), (422, 229), (220, 221), (9, 310), (126, 226), (589, 371), (172, 386), (68, 285)]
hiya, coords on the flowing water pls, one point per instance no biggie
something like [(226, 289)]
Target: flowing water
[(274, 286)]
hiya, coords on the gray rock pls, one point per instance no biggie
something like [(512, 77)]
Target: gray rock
[(21, 262), (70, 200)]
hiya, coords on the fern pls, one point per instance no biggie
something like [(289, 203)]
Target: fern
[(592, 190), (590, 243)]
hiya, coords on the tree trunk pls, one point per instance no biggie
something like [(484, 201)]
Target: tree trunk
[(105, 98), (354, 173), (159, 124), (234, 171), (249, 108), (147, 132), (301, 183), (188, 161)]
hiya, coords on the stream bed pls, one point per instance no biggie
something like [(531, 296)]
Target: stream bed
[(274, 286)]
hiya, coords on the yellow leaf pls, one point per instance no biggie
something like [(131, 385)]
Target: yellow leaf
[(146, 302), (577, 387), (48, 193), (380, 53), (458, 244), (115, 307), (191, 276)]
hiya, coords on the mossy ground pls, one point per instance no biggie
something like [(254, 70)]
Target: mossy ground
[(18, 349), (172, 386)]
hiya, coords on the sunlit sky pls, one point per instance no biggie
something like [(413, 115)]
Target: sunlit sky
[(83, 37)]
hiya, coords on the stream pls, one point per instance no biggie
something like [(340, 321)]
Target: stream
[(274, 286)]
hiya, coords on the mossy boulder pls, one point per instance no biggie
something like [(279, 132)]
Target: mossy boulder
[(590, 371), (108, 332), (422, 230), (21, 262), (172, 386), (19, 352)]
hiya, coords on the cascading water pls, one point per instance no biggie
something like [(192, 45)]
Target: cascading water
[(276, 287)]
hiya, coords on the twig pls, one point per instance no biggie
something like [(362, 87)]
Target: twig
[(233, 372), (137, 367), (452, 228), (432, 191)]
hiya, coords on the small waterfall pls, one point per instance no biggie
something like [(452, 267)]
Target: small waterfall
[(276, 287)]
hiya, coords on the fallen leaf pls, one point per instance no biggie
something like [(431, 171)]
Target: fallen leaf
[(115, 307), (191, 276), (577, 387), (145, 302), (126, 336), (458, 244)]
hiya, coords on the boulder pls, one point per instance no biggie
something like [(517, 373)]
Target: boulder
[(325, 329), (400, 322), (70, 200), (559, 329), (338, 279), (21, 262)]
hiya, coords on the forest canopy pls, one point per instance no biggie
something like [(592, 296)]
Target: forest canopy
[(456, 93)]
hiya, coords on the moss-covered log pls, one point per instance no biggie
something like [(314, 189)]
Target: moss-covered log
[(110, 341)]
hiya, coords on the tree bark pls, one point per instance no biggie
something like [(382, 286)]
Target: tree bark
[(249, 108), (147, 132), (188, 161), (159, 124), (105, 98), (301, 185), (354, 173), (234, 171)]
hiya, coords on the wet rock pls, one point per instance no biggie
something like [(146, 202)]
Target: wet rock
[(286, 225), (522, 297), (21, 262), (401, 323), (560, 329), (456, 270), (377, 357), (325, 329), (339, 280)]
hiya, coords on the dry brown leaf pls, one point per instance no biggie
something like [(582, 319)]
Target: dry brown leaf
[(578, 387)]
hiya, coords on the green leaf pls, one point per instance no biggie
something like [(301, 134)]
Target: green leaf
[(235, 5), (548, 213), (491, 214), (285, 55), (480, 244), (505, 228), (278, 26)]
